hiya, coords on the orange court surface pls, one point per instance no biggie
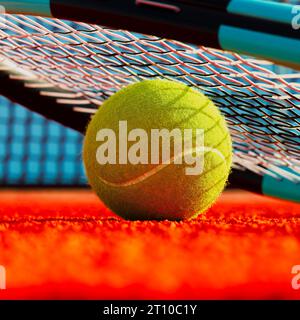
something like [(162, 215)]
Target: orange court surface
[(64, 244)]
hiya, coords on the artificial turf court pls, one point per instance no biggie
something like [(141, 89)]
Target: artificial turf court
[(65, 244)]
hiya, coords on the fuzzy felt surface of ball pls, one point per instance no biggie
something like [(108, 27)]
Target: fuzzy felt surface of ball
[(139, 179)]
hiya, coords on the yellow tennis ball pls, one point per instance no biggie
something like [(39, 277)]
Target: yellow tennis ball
[(157, 149)]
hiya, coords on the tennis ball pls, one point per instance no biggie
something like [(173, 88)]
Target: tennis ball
[(146, 158)]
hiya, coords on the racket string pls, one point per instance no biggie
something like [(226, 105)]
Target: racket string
[(259, 99)]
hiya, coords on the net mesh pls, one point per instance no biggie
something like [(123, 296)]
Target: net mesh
[(260, 100), (35, 151)]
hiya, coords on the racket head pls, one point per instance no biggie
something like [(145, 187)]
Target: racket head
[(65, 70)]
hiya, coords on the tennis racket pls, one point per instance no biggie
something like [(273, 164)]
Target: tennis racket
[(64, 70), (259, 28)]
